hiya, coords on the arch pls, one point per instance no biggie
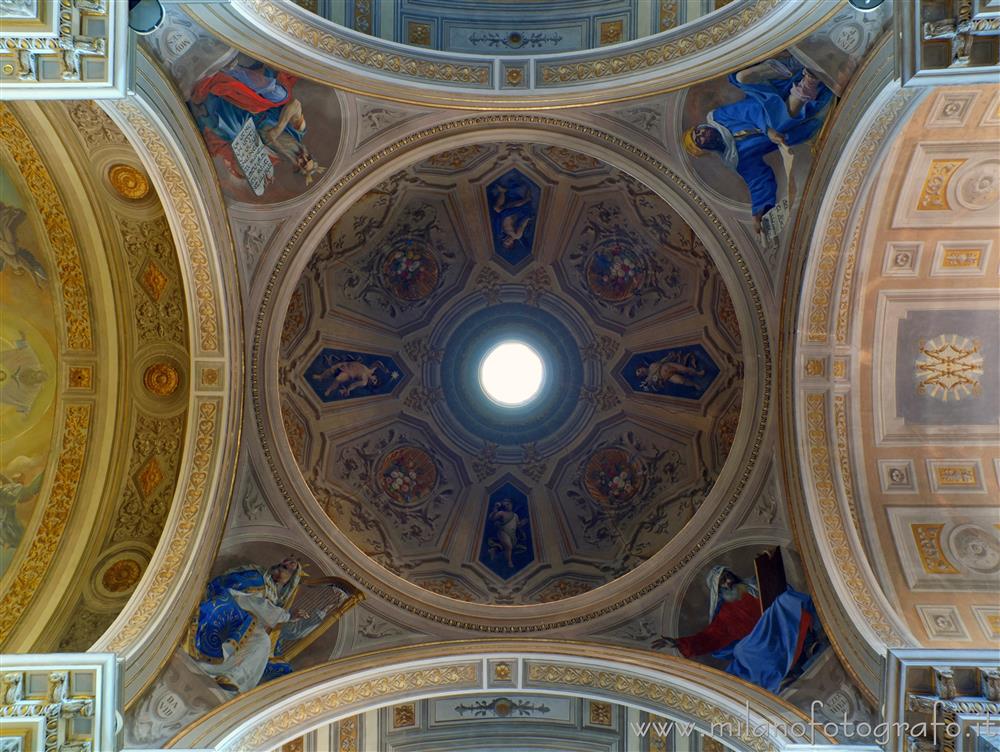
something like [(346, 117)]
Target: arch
[(854, 609), (175, 158), (735, 37), (748, 718)]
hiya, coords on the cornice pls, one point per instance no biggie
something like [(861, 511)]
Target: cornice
[(286, 36)]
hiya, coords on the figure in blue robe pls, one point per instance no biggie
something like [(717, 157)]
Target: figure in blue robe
[(781, 107), (238, 631), (768, 649)]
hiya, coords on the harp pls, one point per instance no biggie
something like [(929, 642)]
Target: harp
[(314, 594)]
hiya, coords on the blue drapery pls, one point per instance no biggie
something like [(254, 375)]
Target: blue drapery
[(763, 107), (220, 619), (766, 655)]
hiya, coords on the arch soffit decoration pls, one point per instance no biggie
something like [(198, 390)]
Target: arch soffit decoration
[(289, 37), (856, 612), (751, 719), (175, 159), (83, 430), (826, 410), (288, 483), (838, 539)]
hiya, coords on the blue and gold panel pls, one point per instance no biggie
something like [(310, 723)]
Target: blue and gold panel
[(506, 546), (337, 375), (513, 200), (685, 372)]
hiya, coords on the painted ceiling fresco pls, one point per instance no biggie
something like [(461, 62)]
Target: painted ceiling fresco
[(28, 347), (419, 277), (397, 442), (749, 136)]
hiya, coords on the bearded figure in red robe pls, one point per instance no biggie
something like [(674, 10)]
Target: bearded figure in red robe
[(766, 648)]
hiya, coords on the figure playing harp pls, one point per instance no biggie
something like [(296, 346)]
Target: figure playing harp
[(246, 630)]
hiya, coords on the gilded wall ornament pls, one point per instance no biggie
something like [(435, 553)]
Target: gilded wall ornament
[(161, 379), (129, 182), (81, 377), (76, 308), (121, 576), (934, 193), (69, 470), (949, 367), (818, 325)]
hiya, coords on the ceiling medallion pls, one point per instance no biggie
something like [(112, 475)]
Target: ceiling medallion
[(129, 182), (161, 379)]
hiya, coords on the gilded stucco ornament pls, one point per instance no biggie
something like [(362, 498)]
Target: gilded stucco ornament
[(121, 576), (299, 40), (193, 236), (820, 302), (826, 412), (74, 424), (130, 182), (343, 689), (68, 473), (210, 434), (76, 309), (161, 379)]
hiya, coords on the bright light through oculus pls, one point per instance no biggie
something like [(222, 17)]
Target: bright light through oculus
[(511, 374)]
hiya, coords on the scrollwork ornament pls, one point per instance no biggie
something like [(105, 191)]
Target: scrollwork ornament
[(68, 473), (76, 302), (207, 430), (818, 320), (397, 684), (191, 226)]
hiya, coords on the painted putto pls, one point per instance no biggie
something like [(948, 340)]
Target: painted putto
[(346, 374)]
